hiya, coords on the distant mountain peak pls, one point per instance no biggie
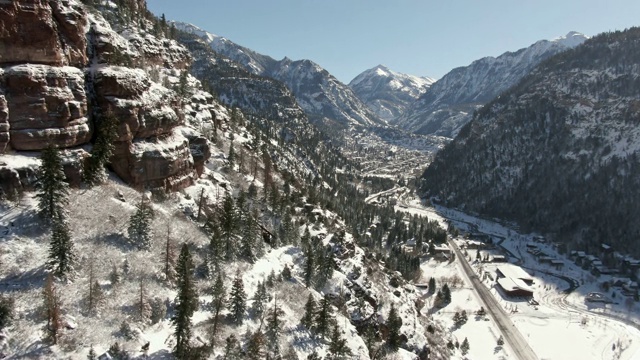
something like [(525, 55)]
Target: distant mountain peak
[(571, 40), (388, 93)]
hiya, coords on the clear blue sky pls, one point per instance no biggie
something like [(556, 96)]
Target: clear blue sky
[(419, 37)]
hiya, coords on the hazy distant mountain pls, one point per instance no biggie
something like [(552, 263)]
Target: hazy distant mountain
[(388, 93), (325, 99), (450, 102)]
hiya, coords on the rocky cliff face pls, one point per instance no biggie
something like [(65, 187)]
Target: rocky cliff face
[(43, 32), (58, 61)]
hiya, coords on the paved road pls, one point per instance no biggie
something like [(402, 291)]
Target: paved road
[(512, 336)]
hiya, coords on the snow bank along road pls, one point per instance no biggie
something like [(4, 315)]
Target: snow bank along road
[(518, 344)]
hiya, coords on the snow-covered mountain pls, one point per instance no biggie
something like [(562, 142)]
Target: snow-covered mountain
[(325, 99), (450, 102), (389, 93), (558, 152)]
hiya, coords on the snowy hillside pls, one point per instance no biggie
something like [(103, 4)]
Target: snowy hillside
[(388, 93), (450, 102), (326, 100)]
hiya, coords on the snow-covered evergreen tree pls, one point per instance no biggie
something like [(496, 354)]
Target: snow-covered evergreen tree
[(186, 302), (237, 299), (140, 233), (53, 191), (61, 250)]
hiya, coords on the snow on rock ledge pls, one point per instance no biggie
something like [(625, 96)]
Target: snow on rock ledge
[(164, 162), (47, 105), (43, 32)]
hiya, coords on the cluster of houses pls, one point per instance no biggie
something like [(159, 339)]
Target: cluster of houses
[(544, 258), (607, 262)]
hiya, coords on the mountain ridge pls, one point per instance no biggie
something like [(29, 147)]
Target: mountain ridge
[(450, 102), (326, 100), (388, 93)]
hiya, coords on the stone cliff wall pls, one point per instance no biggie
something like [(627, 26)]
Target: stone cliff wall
[(48, 91)]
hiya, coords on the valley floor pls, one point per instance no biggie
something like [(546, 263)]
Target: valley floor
[(562, 326)]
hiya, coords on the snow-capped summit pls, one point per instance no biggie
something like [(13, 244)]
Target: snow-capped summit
[(450, 102), (318, 92), (388, 93), (572, 39)]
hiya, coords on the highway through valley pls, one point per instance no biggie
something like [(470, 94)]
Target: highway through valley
[(512, 336)]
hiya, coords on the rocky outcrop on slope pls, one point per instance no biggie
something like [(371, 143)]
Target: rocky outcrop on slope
[(42, 32), (46, 90), (47, 106)]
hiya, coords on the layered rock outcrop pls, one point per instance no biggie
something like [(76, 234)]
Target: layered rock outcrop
[(47, 106), (46, 90), (42, 32)]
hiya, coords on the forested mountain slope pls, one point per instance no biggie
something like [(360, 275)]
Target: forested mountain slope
[(558, 152)]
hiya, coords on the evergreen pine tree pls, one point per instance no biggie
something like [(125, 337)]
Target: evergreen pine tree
[(92, 354), (255, 346), (338, 345), (274, 327), (394, 322), (309, 266), (464, 347), (61, 253), (446, 294), (305, 240), (186, 303), (228, 220), (323, 317), (325, 269), (53, 192), (260, 299), (140, 226), (286, 272), (237, 299), (144, 306), (102, 150), (216, 245), (232, 348), (115, 277), (314, 356), (500, 341), (249, 235), (309, 313), (432, 285), (218, 298)]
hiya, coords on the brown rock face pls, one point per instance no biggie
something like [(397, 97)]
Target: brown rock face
[(42, 32), (144, 110), (4, 124), (162, 163), (47, 106), (200, 151)]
